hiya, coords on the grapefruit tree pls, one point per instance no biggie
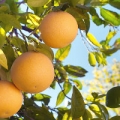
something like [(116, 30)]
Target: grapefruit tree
[(28, 63)]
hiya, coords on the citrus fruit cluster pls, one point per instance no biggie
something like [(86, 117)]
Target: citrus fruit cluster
[(31, 72), (58, 29)]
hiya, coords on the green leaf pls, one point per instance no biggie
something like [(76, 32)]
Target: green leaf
[(12, 6), (18, 43), (87, 115), (9, 53), (3, 60), (99, 2), (110, 16), (93, 40), (109, 52), (115, 118), (113, 97), (91, 59), (62, 53), (62, 72), (96, 119), (44, 112), (115, 3), (74, 2), (76, 71), (36, 3), (61, 112), (67, 115), (4, 8), (95, 17), (103, 110), (67, 87), (8, 19), (110, 35), (53, 85), (117, 43), (81, 17), (60, 98), (42, 97), (95, 109), (2, 37), (43, 48), (77, 105), (78, 84)]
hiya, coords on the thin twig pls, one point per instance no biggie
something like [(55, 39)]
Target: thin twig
[(30, 30), (24, 37), (63, 91)]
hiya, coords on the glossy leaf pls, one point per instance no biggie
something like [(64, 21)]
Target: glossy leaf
[(115, 3), (43, 48), (99, 57), (103, 110), (80, 15), (95, 17), (10, 20), (3, 60), (62, 53), (117, 43), (74, 2), (93, 40), (113, 97), (53, 85), (33, 21), (12, 6), (77, 106), (110, 36), (62, 72), (91, 59), (2, 37), (60, 98), (110, 16), (87, 115), (96, 119), (109, 52), (42, 97), (115, 118), (36, 3), (95, 109), (9, 53), (61, 112), (76, 71), (4, 8), (67, 115), (78, 84), (18, 43), (67, 87)]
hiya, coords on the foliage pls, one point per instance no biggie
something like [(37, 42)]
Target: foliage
[(19, 32)]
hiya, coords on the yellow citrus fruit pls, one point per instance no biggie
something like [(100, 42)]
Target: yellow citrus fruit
[(32, 72), (10, 99), (58, 29)]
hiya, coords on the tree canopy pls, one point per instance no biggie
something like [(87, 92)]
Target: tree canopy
[(19, 33)]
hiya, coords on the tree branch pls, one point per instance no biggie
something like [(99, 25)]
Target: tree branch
[(30, 30)]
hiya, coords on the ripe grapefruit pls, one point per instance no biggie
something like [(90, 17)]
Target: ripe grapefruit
[(10, 99), (58, 29), (32, 72)]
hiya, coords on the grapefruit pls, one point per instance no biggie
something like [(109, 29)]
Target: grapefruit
[(10, 99), (58, 29), (32, 72)]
